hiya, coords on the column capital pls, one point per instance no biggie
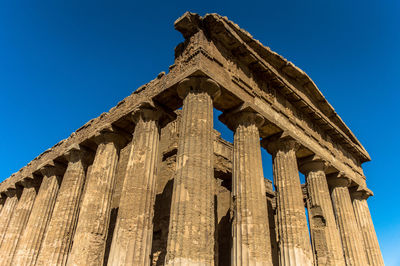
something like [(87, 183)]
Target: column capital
[(109, 134), (76, 152), (198, 84), (280, 142), (51, 169), (312, 163), (30, 181), (242, 115), (10, 192), (151, 111), (338, 180), (361, 193)]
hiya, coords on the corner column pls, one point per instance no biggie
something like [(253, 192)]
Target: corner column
[(31, 240), (133, 234), (326, 237), (353, 247), (58, 239), (91, 232), (7, 211), (366, 226), (293, 236), (18, 221), (191, 238), (251, 237)]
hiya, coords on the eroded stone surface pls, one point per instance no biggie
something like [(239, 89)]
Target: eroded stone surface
[(218, 65), (353, 246)]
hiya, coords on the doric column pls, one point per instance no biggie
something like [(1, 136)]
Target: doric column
[(192, 223), (325, 233), (18, 221), (133, 234), (365, 224), (58, 239), (6, 211), (91, 232), (293, 237), (251, 237), (31, 240), (353, 247)]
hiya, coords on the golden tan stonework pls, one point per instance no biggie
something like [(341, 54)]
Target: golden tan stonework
[(150, 182)]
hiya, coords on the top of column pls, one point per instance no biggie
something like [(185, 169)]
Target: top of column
[(151, 111), (338, 179), (312, 163), (280, 142), (241, 115), (361, 193), (198, 84)]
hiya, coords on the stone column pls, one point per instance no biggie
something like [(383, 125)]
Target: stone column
[(58, 239), (365, 224), (326, 237), (293, 236), (251, 237), (191, 238), (353, 247), (6, 211), (18, 221), (133, 234), (91, 232), (31, 240)]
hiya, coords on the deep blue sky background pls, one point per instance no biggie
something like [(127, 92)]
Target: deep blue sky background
[(62, 64)]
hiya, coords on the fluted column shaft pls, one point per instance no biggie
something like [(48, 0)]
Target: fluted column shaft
[(366, 226), (58, 239), (251, 237), (352, 242), (31, 240), (293, 236), (328, 247), (133, 233), (192, 221), (17, 224), (6, 212), (91, 232)]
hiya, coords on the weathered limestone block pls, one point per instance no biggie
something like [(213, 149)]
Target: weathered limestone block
[(31, 240), (251, 237), (58, 239), (327, 245), (17, 223), (6, 212), (133, 233), (353, 246), (365, 224), (91, 232), (293, 237), (191, 238)]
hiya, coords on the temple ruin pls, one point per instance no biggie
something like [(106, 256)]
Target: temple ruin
[(151, 182)]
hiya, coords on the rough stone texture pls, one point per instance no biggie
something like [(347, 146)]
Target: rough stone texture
[(58, 239), (353, 246), (364, 220), (251, 236), (131, 244), (31, 240), (293, 236), (325, 235), (245, 74), (91, 232), (6, 212), (191, 238), (17, 224)]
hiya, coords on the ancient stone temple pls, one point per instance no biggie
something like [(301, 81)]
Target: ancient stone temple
[(150, 182)]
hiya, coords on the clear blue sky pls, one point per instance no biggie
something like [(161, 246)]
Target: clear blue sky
[(62, 64)]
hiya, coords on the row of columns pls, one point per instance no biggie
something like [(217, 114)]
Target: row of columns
[(61, 225)]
